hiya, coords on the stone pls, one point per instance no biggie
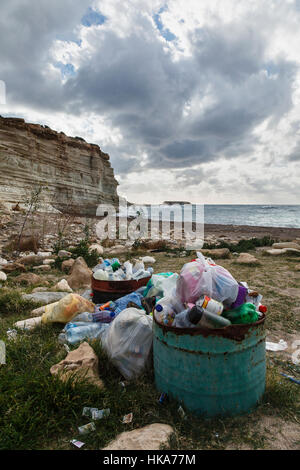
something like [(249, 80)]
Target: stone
[(64, 254), (282, 251), (78, 174), (98, 248), (43, 267), (28, 278), (3, 276), (149, 437), (80, 364), (11, 267), (247, 259), (45, 297), (148, 260), (3, 262), (31, 260), (117, 249), (39, 289), (217, 253), (279, 246), (37, 312), (63, 286), (297, 267), (67, 265), (80, 274), (48, 261)]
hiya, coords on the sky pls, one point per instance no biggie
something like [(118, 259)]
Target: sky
[(193, 100)]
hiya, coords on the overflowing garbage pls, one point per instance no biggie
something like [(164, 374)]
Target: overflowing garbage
[(202, 295)]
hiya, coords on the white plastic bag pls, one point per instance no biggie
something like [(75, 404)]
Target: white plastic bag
[(128, 341), (204, 277)]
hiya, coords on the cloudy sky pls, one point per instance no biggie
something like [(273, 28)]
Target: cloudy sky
[(193, 100)]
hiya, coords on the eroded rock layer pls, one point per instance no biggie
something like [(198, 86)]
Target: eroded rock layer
[(78, 176)]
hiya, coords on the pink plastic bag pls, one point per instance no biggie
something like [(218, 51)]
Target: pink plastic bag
[(204, 277)]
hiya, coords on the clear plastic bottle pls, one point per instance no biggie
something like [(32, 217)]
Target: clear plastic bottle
[(76, 332)]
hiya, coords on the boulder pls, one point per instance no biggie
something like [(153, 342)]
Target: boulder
[(45, 297), (67, 265), (97, 248), (3, 276), (28, 278), (63, 286), (80, 364), (247, 259), (217, 253), (80, 274), (150, 437)]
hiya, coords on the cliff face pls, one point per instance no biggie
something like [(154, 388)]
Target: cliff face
[(78, 175)]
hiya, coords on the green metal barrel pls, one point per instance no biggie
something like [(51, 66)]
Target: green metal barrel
[(220, 372)]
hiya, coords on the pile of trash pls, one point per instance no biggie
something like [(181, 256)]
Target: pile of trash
[(113, 270), (204, 294), (207, 295)]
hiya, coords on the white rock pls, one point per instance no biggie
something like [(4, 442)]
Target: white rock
[(3, 262), (43, 267), (98, 248), (3, 276), (64, 254), (150, 437), (281, 245), (48, 261), (44, 254), (148, 259), (63, 286)]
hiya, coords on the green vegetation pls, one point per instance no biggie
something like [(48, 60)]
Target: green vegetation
[(242, 245)]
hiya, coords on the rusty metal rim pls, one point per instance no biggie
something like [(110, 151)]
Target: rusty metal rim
[(236, 332)]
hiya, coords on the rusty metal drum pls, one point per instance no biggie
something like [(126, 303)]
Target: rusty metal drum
[(220, 372)]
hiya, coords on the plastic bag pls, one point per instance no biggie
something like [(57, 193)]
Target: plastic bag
[(128, 341), (204, 277), (161, 285), (66, 309)]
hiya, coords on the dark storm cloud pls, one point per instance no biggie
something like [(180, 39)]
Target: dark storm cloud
[(27, 31), (134, 82)]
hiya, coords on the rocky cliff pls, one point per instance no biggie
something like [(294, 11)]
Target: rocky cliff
[(78, 175)]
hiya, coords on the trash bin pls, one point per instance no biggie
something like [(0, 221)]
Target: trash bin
[(103, 291), (218, 372)]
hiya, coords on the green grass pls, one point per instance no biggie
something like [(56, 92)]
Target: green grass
[(38, 411)]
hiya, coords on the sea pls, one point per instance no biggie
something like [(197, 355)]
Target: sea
[(232, 214)]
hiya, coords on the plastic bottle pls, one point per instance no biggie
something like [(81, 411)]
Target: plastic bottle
[(75, 332), (101, 275), (210, 305), (83, 317), (164, 312), (197, 316), (103, 316)]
